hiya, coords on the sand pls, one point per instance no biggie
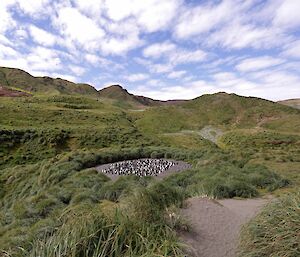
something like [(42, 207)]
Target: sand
[(215, 225)]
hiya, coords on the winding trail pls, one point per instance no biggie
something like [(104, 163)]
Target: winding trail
[(215, 225)]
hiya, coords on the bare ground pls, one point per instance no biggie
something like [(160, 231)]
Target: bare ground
[(11, 93), (215, 225)]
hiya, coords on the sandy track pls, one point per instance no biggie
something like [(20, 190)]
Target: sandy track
[(215, 225)]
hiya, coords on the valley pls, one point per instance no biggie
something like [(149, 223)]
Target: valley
[(54, 201)]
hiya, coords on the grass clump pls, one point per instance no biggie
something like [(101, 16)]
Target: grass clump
[(227, 180), (275, 231), (135, 226), (34, 197)]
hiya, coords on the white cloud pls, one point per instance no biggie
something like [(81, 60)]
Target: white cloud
[(77, 70), (265, 84), (293, 50), (151, 15), (258, 63), (203, 18), (7, 52), (21, 34), (62, 76), (222, 23), (120, 45), (42, 58), (154, 83), (158, 14), (159, 49), (197, 42), (96, 60), (186, 56), (90, 7), (121, 37), (79, 28), (38, 59), (35, 8), (4, 40), (41, 36), (6, 20), (92, 58), (167, 92), (176, 74), (224, 76), (252, 36), (287, 15), (160, 67), (137, 77), (173, 54)]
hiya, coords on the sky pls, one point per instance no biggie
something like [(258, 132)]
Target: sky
[(163, 49)]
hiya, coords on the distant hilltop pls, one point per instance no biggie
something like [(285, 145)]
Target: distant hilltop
[(15, 83)]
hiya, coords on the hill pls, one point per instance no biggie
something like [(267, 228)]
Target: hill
[(54, 203), (124, 98), (220, 109), (20, 80), (295, 103)]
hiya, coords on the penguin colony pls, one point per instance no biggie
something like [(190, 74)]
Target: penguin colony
[(141, 167)]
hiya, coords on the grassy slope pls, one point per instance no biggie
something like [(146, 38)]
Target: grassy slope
[(41, 204), (120, 97), (62, 123), (275, 231), (228, 111), (35, 130), (21, 80)]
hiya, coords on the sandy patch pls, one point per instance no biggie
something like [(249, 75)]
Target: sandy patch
[(215, 225)]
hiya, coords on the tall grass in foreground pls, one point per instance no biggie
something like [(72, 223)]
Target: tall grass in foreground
[(275, 232), (136, 226), (90, 235)]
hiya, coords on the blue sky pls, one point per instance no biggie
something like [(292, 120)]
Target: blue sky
[(164, 49)]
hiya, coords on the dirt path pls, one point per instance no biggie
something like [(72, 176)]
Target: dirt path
[(215, 225)]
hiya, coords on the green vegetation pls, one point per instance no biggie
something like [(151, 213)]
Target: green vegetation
[(227, 111), (275, 231), (54, 203), (21, 80), (226, 180), (41, 202)]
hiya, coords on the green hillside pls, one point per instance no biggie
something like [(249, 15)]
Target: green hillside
[(123, 98), (120, 96), (21, 80), (54, 203), (229, 111)]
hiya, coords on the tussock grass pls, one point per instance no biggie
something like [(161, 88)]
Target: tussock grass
[(34, 197), (135, 226), (275, 231), (226, 180)]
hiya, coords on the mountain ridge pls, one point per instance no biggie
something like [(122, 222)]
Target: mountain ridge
[(21, 80), (117, 92), (14, 80)]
